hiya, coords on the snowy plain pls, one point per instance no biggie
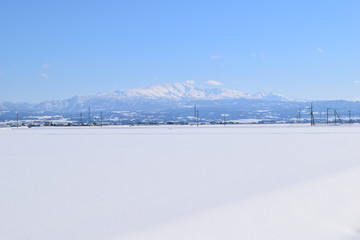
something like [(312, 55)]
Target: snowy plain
[(180, 182)]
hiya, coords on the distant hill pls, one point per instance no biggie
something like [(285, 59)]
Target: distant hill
[(162, 96), (175, 102)]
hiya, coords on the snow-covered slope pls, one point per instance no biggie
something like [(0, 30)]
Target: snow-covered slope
[(5, 106), (164, 95), (257, 182), (178, 91), (271, 96), (153, 98)]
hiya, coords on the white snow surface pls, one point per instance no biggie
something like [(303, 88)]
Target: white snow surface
[(250, 182)]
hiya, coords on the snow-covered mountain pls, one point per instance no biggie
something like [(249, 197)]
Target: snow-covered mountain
[(271, 96), (185, 91), (175, 102), (168, 95), (19, 106), (181, 91)]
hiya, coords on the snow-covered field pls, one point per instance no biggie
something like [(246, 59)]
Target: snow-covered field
[(180, 183)]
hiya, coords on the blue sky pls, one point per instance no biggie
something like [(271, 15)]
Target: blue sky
[(57, 49)]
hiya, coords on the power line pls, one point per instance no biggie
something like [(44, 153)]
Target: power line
[(337, 115)]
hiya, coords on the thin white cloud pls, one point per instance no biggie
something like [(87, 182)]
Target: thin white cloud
[(44, 75), (253, 55), (355, 81), (214, 83), (192, 82), (46, 65), (320, 50), (216, 57)]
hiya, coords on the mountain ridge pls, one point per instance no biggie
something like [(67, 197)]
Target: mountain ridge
[(174, 102), (167, 94), (181, 91)]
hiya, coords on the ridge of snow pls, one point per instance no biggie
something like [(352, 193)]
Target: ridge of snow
[(271, 96), (179, 91)]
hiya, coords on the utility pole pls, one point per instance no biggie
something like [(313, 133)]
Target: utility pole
[(224, 115), (312, 115), (197, 118), (81, 119), (195, 114), (327, 116), (17, 120), (101, 119), (350, 121), (299, 115), (89, 118)]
